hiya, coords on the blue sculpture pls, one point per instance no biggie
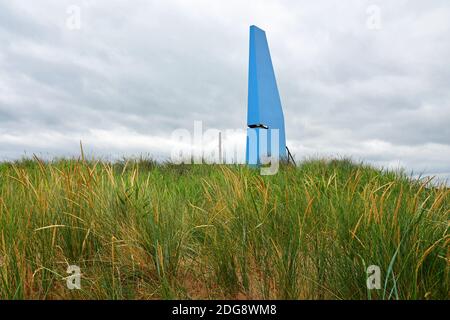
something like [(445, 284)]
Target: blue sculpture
[(265, 117)]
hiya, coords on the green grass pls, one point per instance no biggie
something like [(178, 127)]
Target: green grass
[(141, 230)]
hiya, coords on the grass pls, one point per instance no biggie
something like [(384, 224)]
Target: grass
[(141, 230)]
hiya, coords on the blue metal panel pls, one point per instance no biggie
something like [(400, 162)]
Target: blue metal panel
[(264, 104)]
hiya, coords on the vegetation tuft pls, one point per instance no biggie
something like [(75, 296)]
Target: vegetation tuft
[(143, 230)]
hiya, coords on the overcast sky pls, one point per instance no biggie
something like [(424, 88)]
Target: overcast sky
[(366, 79)]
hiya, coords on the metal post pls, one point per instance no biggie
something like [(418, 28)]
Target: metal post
[(220, 148)]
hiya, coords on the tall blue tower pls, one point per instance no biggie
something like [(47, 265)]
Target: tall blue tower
[(264, 105)]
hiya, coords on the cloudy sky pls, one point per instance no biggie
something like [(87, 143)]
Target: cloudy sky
[(366, 79)]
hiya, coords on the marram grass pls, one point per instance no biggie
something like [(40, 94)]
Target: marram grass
[(141, 230)]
